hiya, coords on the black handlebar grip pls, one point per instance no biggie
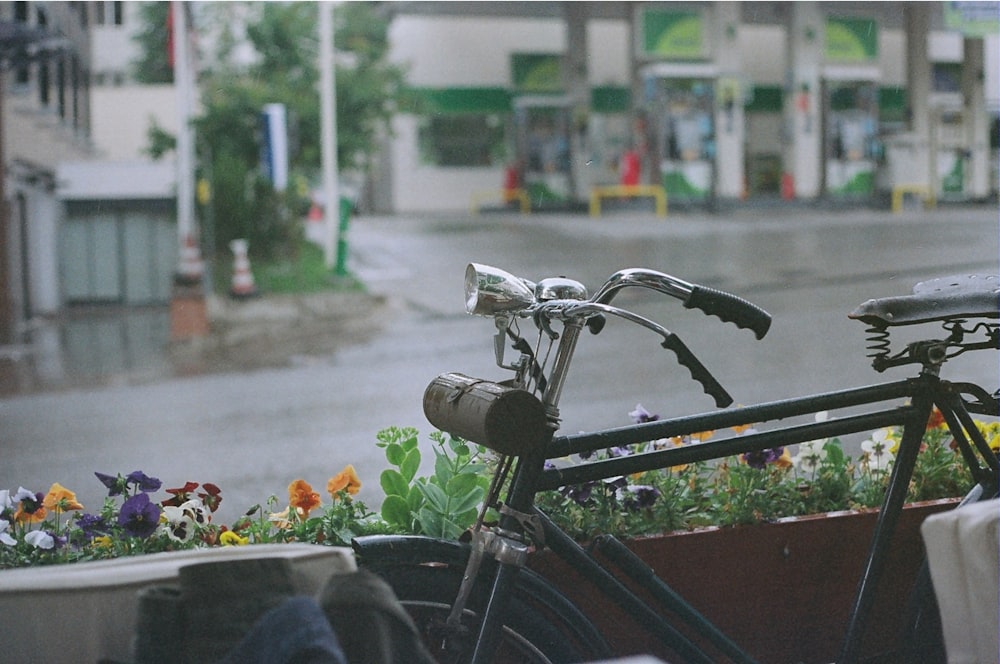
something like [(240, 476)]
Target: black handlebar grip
[(730, 308), (698, 371)]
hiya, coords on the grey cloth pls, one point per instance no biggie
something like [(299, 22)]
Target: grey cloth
[(370, 623)]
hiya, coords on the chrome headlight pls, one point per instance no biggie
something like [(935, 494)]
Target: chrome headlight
[(490, 291)]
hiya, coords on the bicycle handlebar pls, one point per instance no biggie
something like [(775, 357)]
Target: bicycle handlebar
[(499, 294), (725, 306)]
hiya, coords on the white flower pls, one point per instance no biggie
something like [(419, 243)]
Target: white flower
[(5, 501), (177, 524), (4, 537), (877, 450), (40, 539), (810, 454)]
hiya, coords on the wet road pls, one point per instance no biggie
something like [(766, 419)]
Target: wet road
[(252, 433)]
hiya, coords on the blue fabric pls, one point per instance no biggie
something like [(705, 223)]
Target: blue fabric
[(295, 632)]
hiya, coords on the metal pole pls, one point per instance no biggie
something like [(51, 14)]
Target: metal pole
[(328, 139), (185, 139)]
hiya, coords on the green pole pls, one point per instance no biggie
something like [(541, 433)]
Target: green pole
[(345, 216)]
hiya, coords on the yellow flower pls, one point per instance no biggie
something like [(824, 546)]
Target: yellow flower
[(61, 499), (302, 497), (229, 538), (345, 480), (102, 542)]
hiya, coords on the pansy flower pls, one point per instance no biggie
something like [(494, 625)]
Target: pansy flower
[(177, 524), (346, 480), (139, 516), (878, 450), (302, 497), (115, 484), (638, 496), (810, 455), (60, 499), (180, 495), (211, 497), (761, 458), (92, 525), (143, 482), (5, 537), (640, 415), (42, 539), (29, 506), (229, 538)]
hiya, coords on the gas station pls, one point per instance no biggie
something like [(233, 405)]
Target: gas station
[(716, 101)]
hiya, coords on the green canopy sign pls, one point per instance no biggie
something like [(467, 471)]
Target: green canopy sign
[(537, 72), (851, 40), (673, 35), (973, 19)]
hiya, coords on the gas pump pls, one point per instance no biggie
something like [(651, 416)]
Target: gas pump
[(542, 126), (682, 117), (851, 144)]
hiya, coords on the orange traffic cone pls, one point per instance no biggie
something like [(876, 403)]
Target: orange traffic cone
[(243, 285)]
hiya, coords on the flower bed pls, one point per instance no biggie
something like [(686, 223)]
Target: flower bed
[(45, 528)]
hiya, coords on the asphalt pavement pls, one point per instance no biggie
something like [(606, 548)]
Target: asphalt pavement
[(253, 427)]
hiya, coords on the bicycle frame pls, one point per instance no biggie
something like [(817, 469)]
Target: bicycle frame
[(924, 392), (502, 296)]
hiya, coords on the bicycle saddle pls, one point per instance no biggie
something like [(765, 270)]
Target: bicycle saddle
[(961, 296)]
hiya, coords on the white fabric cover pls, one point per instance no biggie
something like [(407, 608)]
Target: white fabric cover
[(85, 612), (963, 550)]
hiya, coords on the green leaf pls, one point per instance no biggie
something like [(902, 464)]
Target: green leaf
[(468, 501), (431, 523), (397, 512), (415, 498), (461, 484), (393, 483), (394, 453), (435, 495), (410, 464)]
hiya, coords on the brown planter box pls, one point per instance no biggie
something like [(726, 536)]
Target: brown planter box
[(782, 591)]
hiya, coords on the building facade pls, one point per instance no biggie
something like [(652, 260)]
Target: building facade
[(715, 100)]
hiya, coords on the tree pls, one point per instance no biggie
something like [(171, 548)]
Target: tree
[(284, 69), (153, 64)]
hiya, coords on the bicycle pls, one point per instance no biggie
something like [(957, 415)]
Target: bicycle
[(477, 602)]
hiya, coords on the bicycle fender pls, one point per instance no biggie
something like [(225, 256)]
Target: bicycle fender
[(420, 550)]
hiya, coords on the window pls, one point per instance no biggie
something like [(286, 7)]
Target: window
[(462, 140)]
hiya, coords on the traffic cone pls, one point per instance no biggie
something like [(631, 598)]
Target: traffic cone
[(191, 267), (243, 285)]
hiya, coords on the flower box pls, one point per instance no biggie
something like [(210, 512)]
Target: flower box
[(782, 591)]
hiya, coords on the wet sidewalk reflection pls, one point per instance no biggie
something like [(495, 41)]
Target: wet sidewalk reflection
[(89, 347)]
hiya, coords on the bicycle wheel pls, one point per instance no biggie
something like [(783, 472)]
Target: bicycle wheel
[(531, 635)]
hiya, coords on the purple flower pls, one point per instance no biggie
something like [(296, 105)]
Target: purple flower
[(579, 493), (144, 483), (116, 484), (92, 525), (615, 452), (139, 516), (638, 497), (763, 457), (640, 415)]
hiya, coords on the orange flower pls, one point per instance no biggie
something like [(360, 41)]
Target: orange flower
[(935, 420), (302, 497), (61, 499), (785, 460), (345, 480)]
